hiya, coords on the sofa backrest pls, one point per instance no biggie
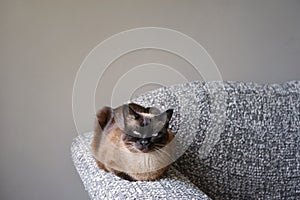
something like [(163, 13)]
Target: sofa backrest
[(236, 140)]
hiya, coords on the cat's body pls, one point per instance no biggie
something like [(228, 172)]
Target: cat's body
[(133, 142)]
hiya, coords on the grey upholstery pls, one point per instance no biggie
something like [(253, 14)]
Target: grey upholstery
[(103, 185), (239, 141)]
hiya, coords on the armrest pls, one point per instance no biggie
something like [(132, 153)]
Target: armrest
[(105, 185)]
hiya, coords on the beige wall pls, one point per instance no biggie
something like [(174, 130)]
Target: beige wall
[(42, 44)]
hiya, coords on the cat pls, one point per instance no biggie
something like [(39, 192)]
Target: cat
[(133, 142)]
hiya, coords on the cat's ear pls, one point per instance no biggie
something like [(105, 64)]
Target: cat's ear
[(133, 113), (124, 114), (153, 110), (165, 117), (169, 115), (105, 116)]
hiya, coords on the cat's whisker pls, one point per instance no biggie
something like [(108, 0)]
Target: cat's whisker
[(164, 153), (160, 145)]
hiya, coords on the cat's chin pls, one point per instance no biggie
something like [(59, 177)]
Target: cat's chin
[(143, 150), (146, 150)]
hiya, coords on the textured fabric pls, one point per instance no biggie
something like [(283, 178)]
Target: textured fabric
[(104, 185), (238, 140), (252, 151)]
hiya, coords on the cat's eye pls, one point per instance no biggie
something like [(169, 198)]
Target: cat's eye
[(136, 116), (155, 134), (136, 133)]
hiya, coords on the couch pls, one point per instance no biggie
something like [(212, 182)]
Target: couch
[(235, 140)]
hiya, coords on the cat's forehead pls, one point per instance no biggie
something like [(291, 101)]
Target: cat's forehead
[(149, 121), (147, 115)]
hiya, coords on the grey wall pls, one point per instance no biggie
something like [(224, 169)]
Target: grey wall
[(42, 44)]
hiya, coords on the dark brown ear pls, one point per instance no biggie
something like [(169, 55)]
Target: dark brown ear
[(169, 115), (137, 108), (153, 110), (104, 116), (132, 112), (165, 117)]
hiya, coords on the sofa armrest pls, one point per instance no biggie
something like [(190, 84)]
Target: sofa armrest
[(104, 185)]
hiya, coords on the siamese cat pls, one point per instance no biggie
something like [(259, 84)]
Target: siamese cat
[(133, 142)]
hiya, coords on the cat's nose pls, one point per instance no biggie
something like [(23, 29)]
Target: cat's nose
[(145, 122), (144, 142)]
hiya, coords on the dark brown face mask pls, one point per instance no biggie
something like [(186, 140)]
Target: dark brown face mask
[(145, 128)]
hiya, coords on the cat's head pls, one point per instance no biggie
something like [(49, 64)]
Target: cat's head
[(145, 129)]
